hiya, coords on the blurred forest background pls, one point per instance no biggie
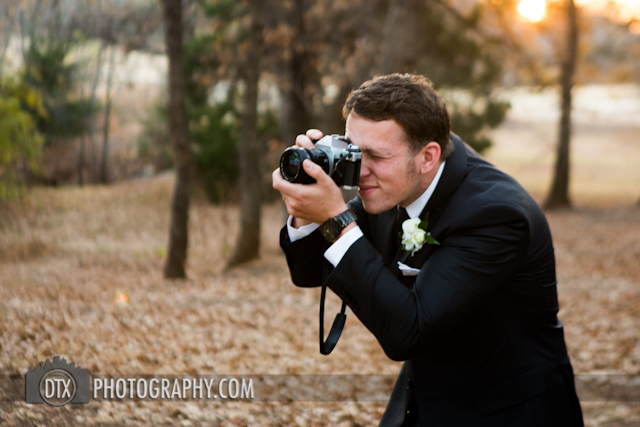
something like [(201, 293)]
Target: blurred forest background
[(111, 108)]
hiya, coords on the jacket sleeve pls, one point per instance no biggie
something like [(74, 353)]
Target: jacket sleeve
[(304, 257), (477, 255)]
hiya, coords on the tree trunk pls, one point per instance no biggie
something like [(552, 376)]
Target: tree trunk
[(104, 167), (188, 21), (295, 114), (295, 117), (372, 17), (93, 156), (248, 244), (6, 35), (403, 40), (331, 116), (559, 194), (81, 156), (178, 127), (82, 142), (362, 65)]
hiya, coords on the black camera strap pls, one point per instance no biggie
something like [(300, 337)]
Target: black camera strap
[(327, 346)]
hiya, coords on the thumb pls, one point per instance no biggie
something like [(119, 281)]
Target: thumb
[(315, 171)]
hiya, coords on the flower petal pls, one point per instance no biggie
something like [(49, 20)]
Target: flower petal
[(419, 237), (410, 225)]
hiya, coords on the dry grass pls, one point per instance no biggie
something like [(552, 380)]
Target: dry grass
[(65, 254)]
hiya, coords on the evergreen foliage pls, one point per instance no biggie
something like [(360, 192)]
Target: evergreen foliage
[(47, 72), (465, 65), (215, 131), (20, 141)]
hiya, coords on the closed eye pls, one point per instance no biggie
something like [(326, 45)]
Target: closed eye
[(375, 155)]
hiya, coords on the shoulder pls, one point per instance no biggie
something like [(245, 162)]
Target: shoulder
[(490, 199)]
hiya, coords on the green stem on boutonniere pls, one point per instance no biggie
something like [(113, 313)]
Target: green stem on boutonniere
[(424, 224)]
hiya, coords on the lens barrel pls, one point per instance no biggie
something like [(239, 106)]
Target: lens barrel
[(291, 164)]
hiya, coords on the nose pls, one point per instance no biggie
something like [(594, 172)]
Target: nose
[(364, 168)]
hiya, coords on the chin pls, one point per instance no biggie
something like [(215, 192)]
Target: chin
[(375, 208)]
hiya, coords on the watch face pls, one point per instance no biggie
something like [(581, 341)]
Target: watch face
[(330, 230), (334, 226)]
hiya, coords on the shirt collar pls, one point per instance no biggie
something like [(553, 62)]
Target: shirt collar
[(415, 208)]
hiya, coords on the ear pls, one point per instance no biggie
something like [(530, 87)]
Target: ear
[(429, 157)]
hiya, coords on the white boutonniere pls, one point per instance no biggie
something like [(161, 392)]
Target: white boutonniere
[(415, 235)]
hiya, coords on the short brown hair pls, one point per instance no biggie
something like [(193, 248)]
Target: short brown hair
[(411, 101)]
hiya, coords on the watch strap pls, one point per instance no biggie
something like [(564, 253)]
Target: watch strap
[(332, 227)]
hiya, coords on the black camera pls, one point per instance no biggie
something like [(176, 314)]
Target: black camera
[(337, 156)]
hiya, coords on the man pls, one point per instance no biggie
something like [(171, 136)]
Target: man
[(473, 314)]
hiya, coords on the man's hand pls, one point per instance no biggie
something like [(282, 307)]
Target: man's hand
[(313, 202), (304, 141)]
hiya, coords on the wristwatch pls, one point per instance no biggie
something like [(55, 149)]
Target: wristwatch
[(332, 227)]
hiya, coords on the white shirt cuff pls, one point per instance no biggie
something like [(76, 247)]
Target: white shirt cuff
[(299, 233), (336, 251)]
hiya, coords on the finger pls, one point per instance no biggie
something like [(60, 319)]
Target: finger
[(276, 177), (314, 134), (304, 141), (278, 182), (283, 186), (315, 171)]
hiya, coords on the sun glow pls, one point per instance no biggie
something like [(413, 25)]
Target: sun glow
[(623, 11), (532, 10)]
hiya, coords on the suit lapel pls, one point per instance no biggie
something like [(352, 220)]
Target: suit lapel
[(386, 244), (451, 178)]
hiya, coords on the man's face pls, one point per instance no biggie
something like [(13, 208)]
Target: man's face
[(389, 174)]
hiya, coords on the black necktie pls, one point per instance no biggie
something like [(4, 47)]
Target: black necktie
[(401, 217)]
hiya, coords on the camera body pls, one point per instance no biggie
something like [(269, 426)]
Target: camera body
[(337, 156)]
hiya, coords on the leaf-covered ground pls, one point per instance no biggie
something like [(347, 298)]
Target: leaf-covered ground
[(67, 254)]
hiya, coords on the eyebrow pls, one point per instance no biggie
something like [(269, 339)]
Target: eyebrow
[(375, 153)]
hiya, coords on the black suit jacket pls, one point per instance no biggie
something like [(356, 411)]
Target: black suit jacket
[(478, 325)]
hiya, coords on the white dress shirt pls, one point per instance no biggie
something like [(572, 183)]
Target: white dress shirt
[(336, 251)]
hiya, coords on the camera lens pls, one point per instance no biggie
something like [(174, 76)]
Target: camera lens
[(292, 164)]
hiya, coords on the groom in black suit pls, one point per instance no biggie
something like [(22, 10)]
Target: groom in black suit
[(466, 299)]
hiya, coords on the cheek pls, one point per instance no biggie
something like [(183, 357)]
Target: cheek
[(391, 170), (399, 170)]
